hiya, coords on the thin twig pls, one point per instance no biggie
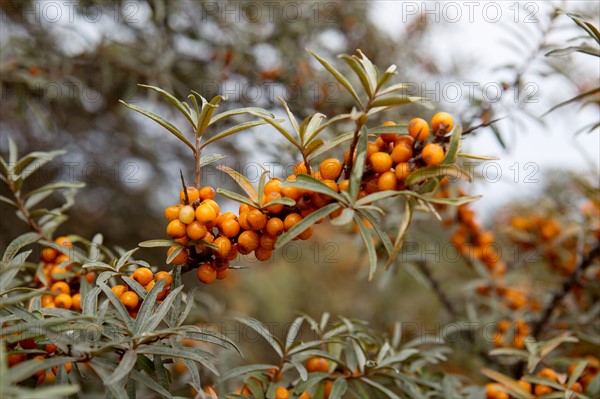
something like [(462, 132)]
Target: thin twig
[(424, 268), (187, 198)]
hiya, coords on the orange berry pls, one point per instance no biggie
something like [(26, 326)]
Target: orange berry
[(317, 175), (389, 137), (332, 185), (243, 220), (267, 242), (77, 302), (206, 273), (61, 287), (230, 228), (225, 216), (233, 253), (407, 140), (300, 169), (275, 227), (402, 171), (387, 181), (248, 241), (282, 393), (256, 220), (418, 129), (541, 390), (50, 348), (327, 386), (193, 195), (213, 204), (305, 395), (172, 212), (525, 385), (63, 301), (207, 192), (262, 254), (433, 154), (317, 364), (63, 242), (381, 145), (119, 290), (549, 374), (176, 229), (15, 359), (47, 299), (273, 186), (179, 259), (381, 162), (442, 122), (49, 254), (183, 240), (130, 299), (372, 148), (401, 153), (343, 186), (196, 230), (223, 273), (162, 275), (495, 391), (150, 285), (143, 275), (187, 214), (41, 373), (275, 208), (330, 169), (206, 214), (224, 246), (292, 192), (290, 220)]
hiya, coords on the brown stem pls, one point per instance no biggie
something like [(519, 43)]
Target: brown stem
[(184, 188), (568, 284), (197, 154), (424, 268), (21, 204)]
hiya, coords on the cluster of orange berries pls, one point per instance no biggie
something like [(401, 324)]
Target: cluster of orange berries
[(62, 280), (197, 220), (43, 376), (511, 333), (497, 391), (146, 279)]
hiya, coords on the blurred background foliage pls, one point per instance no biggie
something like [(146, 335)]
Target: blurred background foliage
[(61, 83)]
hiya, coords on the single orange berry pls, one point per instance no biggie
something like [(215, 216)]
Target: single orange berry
[(206, 273), (330, 169), (63, 242), (381, 162), (223, 273), (214, 205), (230, 228), (179, 259), (193, 195), (119, 290), (248, 241), (77, 302), (433, 154), (176, 229), (407, 140), (130, 299), (256, 220), (306, 234), (442, 122), (162, 275), (63, 301), (50, 348), (274, 208), (172, 212), (49, 254), (143, 275), (243, 220), (418, 129), (327, 386), (267, 241), (61, 287), (343, 186), (300, 169), (273, 186), (290, 220), (274, 227), (401, 153), (187, 214), (224, 246), (207, 192), (282, 393), (495, 391), (305, 395), (525, 385), (389, 137), (317, 364), (402, 171), (387, 181), (262, 254), (206, 214), (196, 230)]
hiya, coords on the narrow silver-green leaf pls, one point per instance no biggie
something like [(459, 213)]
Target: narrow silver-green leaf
[(173, 100), (367, 239), (338, 76), (232, 130), (402, 230), (242, 181)]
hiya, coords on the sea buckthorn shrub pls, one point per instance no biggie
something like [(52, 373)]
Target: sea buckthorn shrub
[(80, 317)]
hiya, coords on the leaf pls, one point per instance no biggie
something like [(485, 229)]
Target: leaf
[(28, 368), (402, 230), (383, 236), (345, 217), (305, 223), (380, 388), (279, 201), (261, 329), (338, 76), (124, 258), (394, 101), (359, 70), (243, 370), (157, 243), (90, 302), (328, 123), (331, 144), (453, 146), (309, 183), (366, 237), (243, 182), (163, 350), (293, 332), (54, 186), (358, 167), (398, 128), (574, 99), (161, 311), (339, 388), (313, 125), (143, 318), (17, 244), (292, 119), (175, 253), (150, 383), (370, 69), (511, 385), (429, 172), (173, 101), (280, 129), (117, 304), (301, 369), (206, 113), (210, 158), (10, 202), (478, 157), (576, 373), (161, 121), (103, 369), (237, 197), (125, 365), (232, 130), (585, 49)]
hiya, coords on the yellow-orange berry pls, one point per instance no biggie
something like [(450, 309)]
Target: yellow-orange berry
[(256, 220), (442, 122), (176, 229), (214, 205), (207, 192), (196, 230), (179, 259), (292, 192), (76, 301), (433, 154), (275, 227), (223, 273), (224, 246), (495, 391), (305, 395), (48, 254), (206, 273), (525, 385), (64, 242), (164, 276), (172, 212), (192, 192), (130, 299), (282, 393), (274, 208), (290, 220), (267, 241), (206, 214), (262, 254), (343, 186), (187, 214), (381, 162), (273, 186), (63, 301), (401, 153), (248, 240), (402, 171), (389, 137), (387, 181), (330, 169), (119, 290), (61, 287), (317, 364), (300, 169), (143, 275), (418, 129), (230, 228)]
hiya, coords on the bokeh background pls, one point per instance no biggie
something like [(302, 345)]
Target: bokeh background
[(65, 65)]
